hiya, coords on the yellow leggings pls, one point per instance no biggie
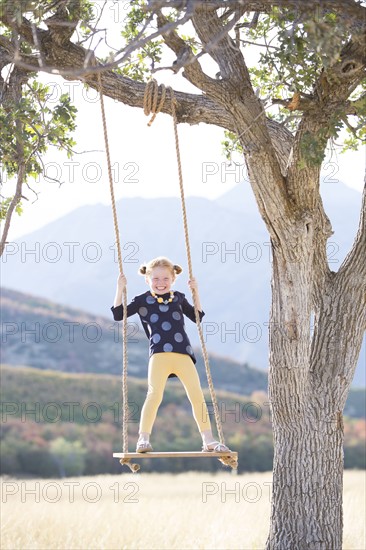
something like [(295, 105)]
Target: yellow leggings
[(160, 366)]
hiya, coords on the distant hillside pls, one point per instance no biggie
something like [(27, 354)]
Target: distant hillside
[(56, 424), (73, 261), (50, 416), (47, 335)]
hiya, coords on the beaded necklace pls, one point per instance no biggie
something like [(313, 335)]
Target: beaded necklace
[(160, 299)]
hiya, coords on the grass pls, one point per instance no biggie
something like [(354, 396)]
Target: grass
[(154, 511)]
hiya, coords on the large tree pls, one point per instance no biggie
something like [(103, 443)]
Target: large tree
[(280, 115)]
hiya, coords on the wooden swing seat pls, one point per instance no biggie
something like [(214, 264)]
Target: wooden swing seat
[(180, 454), (228, 459)]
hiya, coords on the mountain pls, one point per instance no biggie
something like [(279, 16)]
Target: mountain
[(43, 334), (73, 261)]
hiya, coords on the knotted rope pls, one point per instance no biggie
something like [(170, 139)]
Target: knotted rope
[(133, 467), (151, 106)]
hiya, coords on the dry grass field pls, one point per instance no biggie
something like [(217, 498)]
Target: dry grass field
[(154, 511)]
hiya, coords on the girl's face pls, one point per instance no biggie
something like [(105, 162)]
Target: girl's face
[(160, 280)]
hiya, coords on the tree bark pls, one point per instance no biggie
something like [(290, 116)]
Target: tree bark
[(306, 507), (309, 380), (307, 486)]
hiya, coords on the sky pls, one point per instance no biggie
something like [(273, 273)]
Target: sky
[(143, 158)]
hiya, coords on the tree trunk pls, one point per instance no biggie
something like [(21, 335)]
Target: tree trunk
[(309, 380), (307, 486)]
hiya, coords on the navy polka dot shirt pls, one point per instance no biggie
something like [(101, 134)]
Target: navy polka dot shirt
[(162, 323)]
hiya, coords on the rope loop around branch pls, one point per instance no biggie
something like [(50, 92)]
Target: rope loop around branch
[(151, 98)]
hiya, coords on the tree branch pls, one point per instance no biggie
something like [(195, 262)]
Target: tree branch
[(264, 6), (353, 268), (305, 104), (352, 107), (331, 91), (71, 60), (192, 69), (221, 47), (8, 54), (264, 167), (43, 40), (11, 97), (15, 200), (321, 229), (280, 136), (60, 26), (320, 113), (296, 103)]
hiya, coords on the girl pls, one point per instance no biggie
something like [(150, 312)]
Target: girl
[(161, 313)]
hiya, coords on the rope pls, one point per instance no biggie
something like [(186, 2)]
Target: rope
[(151, 99), (150, 105), (133, 467)]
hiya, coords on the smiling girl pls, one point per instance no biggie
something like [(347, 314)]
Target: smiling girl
[(161, 311)]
